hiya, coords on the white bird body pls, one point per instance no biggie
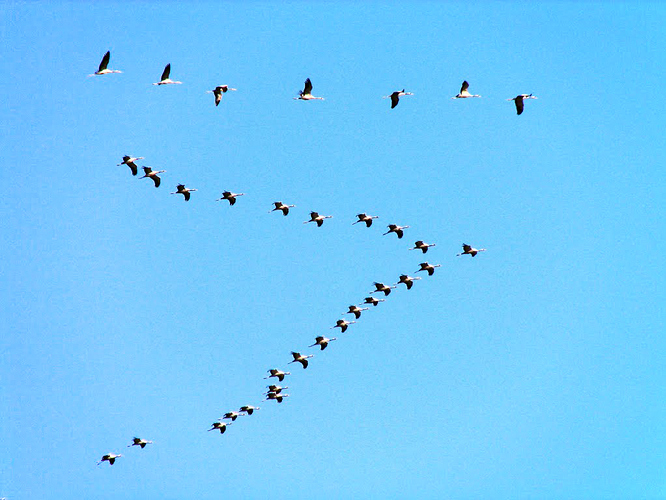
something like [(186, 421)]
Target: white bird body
[(279, 374), (429, 268), (165, 80), (520, 105), (102, 70), (306, 93), (181, 189), (469, 250), (231, 197), (139, 442), (281, 206), (322, 342), (109, 457), (130, 162), (343, 324), (394, 228), (365, 218), (395, 97), (301, 358), (218, 91), (464, 93), (152, 174), (319, 219)]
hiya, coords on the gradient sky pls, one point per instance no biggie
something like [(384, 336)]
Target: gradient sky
[(535, 370)]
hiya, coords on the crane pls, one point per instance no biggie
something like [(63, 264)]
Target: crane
[(430, 268), (306, 93), (139, 442), (181, 189), (277, 374), (165, 80), (218, 91), (395, 97), (322, 342), (356, 311), (152, 174), (469, 250), (231, 197), (129, 161), (343, 324), (301, 358), (365, 218), (520, 105), (281, 206), (464, 93), (109, 457), (102, 70), (407, 280), (381, 287), (394, 228), (420, 245), (319, 219)]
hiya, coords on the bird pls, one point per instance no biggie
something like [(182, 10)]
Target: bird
[(109, 457), (281, 206), (420, 245), (102, 70), (356, 311), (221, 426), (301, 358), (232, 415), (343, 324), (153, 175), (373, 300), (520, 105), (218, 91), (306, 93), (129, 161), (464, 93), (394, 228), (469, 250), (228, 195), (430, 268), (278, 396), (365, 218), (165, 80), (277, 373), (319, 219), (139, 442), (407, 280), (395, 97), (381, 287), (275, 388), (322, 342), (181, 189), (249, 409)]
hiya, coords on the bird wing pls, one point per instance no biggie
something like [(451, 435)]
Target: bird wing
[(319, 222), (218, 96), (520, 105), (133, 167), (399, 233), (304, 362), (431, 271), (112, 460), (314, 215), (308, 87), (187, 195), (147, 170), (105, 61), (464, 87), (285, 210), (166, 72), (394, 99), (156, 180), (296, 355), (466, 248), (368, 222), (232, 200)]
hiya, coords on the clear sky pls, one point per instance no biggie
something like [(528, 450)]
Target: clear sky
[(534, 370)]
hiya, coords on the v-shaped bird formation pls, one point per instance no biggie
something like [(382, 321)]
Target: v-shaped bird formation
[(275, 392)]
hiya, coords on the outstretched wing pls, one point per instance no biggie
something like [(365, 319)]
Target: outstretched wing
[(156, 180), (105, 61), (187, 195), (464, 87), (308, 87), (520, 105), (395, 98), (166, 72)]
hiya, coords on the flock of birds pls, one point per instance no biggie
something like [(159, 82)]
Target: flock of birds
[(306, 93), (276, 392)]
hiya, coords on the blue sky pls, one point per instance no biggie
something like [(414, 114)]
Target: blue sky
[(534, 370)]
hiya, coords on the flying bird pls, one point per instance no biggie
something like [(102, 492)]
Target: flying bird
[(102, 70), (430, 268), (218, 91), (464, 93), (139, 442), (281, 206), (152, 174), (277, 374), (520, 105), (365, 218), (306, 93), (181, 189), (301, 358), (319, 219), (395, 97), (356, 311), (165, 80), (221, 426), (322, 342), (276, 388), (110, 457), (249, 409), (129, 161), (373, 300), (231, 197), (407, 280), (394, 228), (343, 324), (232, 415), (278, 396), (420, 245), (469, 250), (381, 287)]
